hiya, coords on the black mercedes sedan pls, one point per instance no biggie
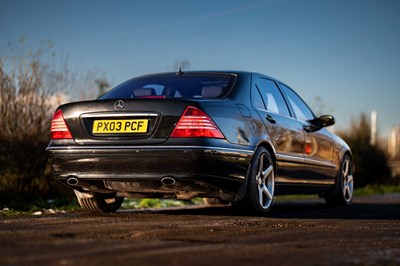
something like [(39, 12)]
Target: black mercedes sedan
[(229, 136)]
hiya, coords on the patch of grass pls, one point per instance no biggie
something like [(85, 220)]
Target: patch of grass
[(7, 213), (364, 191), (295, 197), (19, 206), (376, 190), (157, 203)]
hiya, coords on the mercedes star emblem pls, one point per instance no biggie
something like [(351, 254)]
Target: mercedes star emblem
[(118, 105)]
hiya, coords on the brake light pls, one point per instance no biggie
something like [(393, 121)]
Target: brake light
[(194, 123), (59, 129)]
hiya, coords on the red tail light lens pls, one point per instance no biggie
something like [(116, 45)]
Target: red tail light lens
[(59, 129), (194, 123)]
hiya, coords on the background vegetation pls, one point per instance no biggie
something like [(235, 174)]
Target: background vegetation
[(370, 161), (32, 85)]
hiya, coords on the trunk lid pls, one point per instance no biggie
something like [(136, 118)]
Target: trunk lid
[(123, 122)]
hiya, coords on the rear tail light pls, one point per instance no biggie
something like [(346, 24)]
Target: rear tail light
[(59, 129), (194, 123)]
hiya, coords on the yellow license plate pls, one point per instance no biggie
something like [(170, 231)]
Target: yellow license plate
[(120, 126)]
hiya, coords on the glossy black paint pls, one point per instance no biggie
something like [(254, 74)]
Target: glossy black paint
[(306, 155)]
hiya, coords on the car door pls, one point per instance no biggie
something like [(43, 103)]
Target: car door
[(318, 146), (286, 133)]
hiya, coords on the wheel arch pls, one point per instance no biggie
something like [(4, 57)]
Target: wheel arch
[(334, 195), (270, 148), (348, 153)]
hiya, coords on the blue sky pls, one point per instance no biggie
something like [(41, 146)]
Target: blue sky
[(346, 52)]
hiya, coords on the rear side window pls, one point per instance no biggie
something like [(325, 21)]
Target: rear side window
[(272, 97), (300, 108), (188, 86)]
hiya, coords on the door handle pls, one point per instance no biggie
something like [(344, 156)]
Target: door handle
[(270, 119)]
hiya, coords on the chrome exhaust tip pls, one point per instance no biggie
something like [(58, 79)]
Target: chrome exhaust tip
[(168, 181), (72, 181)]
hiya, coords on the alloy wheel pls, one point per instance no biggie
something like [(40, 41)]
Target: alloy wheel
[(347, 176), (265, 180)]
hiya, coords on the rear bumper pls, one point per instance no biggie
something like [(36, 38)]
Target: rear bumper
[(215, 167)]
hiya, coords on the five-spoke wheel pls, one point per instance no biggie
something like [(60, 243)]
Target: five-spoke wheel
[(342, 193), (260, 184), (265, 181), (347, 177)]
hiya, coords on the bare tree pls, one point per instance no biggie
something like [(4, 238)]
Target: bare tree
[(32, 85), (102, 85), (319, 107)]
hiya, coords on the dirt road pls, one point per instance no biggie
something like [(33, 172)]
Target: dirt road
[(305, 233)]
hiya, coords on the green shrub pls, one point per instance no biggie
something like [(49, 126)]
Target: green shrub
[(370, 161), (26, 106)]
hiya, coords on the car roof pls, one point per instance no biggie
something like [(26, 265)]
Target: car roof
[(237, 72), (227, 72), (193, 72)]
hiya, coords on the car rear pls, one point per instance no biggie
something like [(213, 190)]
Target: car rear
[(156, 136)]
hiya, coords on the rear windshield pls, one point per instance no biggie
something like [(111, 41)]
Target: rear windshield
[(192, 86)]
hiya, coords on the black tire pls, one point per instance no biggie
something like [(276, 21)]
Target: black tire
[(260, 185), (100, 203), (342, 193), (215, 201)]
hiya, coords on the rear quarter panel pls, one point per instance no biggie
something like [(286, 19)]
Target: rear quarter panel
[(235, 116)]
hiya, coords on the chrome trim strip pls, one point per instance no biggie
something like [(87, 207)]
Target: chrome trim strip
[(304, 181), (119, 114), (296, 159), (320, 164), (289, 158), (91, 148)]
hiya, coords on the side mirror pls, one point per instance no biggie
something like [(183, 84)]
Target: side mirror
[(318, 123), (325, 121)]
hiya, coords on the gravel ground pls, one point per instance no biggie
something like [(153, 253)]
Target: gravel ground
[(294, 233)]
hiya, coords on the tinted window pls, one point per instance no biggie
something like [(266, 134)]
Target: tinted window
[(300, 109), (202, 86), (258, 102), (272, 97)]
